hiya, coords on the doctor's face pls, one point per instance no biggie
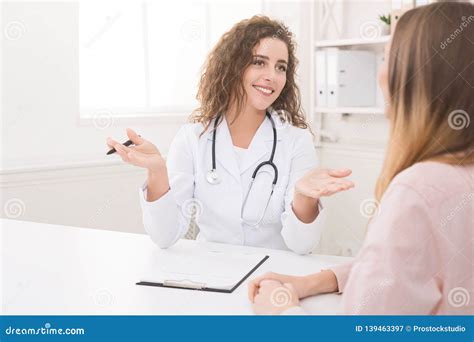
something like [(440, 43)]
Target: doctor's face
[(265, 77)]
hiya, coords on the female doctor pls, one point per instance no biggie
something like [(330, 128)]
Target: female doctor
[(247, 162)]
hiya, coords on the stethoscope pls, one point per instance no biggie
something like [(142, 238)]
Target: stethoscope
[(213, 177)]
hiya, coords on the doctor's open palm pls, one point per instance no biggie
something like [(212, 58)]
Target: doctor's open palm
[(143, 154), (320, 182)]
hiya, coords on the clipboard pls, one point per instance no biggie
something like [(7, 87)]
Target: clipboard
[(185, 282)]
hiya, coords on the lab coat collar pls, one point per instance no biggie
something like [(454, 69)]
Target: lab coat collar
[(260, 147), (225, 155)]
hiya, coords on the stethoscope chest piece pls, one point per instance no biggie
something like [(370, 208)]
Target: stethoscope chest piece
[(212, 177)]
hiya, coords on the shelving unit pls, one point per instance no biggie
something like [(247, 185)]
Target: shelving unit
[(327, 12), (351, 42), (350, 110), (378, 41)]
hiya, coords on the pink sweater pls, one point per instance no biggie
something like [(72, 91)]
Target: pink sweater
[(417, 258)]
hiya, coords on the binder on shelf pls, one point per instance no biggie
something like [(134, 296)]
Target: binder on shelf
[(321, 80), (350, 78), (332, 79)]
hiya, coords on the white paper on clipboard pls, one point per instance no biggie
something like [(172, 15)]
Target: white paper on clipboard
[(201, 268)]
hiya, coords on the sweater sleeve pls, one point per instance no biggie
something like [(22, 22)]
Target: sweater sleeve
[(395, 270)]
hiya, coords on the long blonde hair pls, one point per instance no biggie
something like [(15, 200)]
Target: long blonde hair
[(431, 88)]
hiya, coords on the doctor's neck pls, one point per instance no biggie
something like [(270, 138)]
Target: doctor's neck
[(244, 124), (248, 116)]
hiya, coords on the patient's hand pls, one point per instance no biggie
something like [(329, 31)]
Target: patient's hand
[(300, 284), (273, 298)]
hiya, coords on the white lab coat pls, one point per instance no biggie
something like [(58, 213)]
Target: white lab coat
[(219, 206)]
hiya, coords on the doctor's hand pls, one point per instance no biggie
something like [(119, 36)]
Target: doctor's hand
[(273, 298), (323, 182), (143, 154)]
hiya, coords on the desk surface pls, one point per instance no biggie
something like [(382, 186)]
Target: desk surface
[(55, 270)]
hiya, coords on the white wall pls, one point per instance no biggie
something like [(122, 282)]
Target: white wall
[(43, 138), (40, 106)]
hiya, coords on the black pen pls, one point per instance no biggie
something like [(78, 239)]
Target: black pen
[(127, 143)]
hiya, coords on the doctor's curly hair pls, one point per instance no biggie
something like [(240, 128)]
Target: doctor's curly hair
[(221, 79)]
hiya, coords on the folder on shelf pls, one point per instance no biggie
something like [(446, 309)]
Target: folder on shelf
[(205, 270), (321, 68), (350, 78), (332, 77)]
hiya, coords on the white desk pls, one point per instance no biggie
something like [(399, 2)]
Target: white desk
[(53, 270)]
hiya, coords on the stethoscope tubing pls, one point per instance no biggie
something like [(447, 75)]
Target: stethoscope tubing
[(215, 178)]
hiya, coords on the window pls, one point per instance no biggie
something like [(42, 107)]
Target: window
[(140, 58)]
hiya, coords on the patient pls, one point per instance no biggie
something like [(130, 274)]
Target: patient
[(418, 253)]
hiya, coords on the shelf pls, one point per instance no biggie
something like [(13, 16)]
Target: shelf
[(352, 42), (351, 110), (374, 148)]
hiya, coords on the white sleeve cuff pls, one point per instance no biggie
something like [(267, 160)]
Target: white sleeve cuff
[(302, 237), (143, 191), (160, 218)]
